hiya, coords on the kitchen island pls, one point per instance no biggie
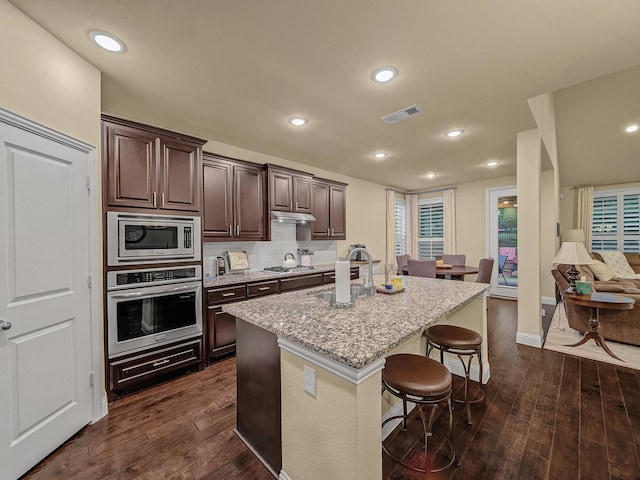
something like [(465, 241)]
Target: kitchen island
[(309, 376)]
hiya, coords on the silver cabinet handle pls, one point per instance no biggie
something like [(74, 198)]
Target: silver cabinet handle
[(154, 200), (296, 205), (230, 294), (4, 325), (333, 231), (328, 232), (162, 199), (238, 230), (262, 289), (162, 362), (230, 231)]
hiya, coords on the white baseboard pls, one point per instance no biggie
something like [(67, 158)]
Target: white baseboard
[(529, 339), (396, 410), (456, 368), (283, 476), (548, 301)]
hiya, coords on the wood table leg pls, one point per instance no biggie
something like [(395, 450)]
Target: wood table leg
[(594, 323)]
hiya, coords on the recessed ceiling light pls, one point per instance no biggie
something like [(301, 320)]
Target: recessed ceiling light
[(106, 41), (631, 128), (384, 74), (297, 121), (493, 163), (431, 175), (454, 133), (380, 154)]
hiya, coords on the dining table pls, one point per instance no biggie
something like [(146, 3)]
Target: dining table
[(452, 271)]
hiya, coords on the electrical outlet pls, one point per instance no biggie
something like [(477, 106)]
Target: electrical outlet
[(310, 381)]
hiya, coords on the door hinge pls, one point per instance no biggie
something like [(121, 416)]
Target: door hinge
[(92, 377), (89, 184), (89, 281)]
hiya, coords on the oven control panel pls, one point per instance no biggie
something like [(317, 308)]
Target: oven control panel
[(153, 276)]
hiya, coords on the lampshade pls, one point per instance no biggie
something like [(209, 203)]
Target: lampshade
[(573, 236), (573, 253)]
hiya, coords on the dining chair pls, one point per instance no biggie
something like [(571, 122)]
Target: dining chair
[(421, 268), (485, 269), (449, 259), (502, 260), (402, 263)]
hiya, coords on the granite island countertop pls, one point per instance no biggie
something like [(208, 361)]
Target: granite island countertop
[(360, 335)]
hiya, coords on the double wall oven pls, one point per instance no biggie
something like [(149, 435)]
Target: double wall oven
[(151, 306)]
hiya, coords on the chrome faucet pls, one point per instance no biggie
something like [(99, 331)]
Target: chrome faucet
[(369, 287)]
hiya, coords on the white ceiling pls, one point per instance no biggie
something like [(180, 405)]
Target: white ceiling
[(234, 71)]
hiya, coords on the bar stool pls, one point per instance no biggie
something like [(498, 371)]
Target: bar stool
[(459, 341), (425, 382)]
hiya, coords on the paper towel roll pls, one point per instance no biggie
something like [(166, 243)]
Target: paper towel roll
[(343, 280)]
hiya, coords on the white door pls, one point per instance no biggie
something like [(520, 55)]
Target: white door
[(502, 212), (45, 392)]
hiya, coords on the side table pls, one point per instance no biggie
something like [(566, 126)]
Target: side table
[(597, 301)]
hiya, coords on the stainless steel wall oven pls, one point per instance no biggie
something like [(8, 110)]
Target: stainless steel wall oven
[(150, 307)]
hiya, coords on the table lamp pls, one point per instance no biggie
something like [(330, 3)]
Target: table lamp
[(572, 252)]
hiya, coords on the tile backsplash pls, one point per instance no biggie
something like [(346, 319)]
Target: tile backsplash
[(270, 254)]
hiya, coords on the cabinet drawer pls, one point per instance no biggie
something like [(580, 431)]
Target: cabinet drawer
[(224, 295), (262, 288), (145, 366), (288, 284)]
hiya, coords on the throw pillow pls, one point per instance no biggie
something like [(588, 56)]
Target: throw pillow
[(618, 263), (602, 271)]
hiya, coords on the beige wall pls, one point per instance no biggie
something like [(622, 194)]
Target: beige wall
[(45, 81)]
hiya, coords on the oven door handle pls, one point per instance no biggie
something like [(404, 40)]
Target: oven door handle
[(143, 294)]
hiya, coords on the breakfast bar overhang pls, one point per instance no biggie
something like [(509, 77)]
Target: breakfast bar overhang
[(309, 375)]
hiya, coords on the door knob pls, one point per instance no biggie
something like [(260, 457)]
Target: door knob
[(4, 325)]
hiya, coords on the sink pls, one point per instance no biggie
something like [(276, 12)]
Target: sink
[(328, 295)]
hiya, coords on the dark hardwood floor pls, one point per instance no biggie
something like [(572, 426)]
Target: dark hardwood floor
[(547, 416)]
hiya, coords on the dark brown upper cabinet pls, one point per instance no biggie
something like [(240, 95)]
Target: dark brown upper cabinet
[(328, 205), (150, 168), (234, 199), (289, 190)]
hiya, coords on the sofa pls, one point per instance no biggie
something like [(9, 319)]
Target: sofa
[(616, 325)]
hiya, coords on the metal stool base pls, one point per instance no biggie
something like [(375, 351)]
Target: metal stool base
[(420, 402), (467, 369)]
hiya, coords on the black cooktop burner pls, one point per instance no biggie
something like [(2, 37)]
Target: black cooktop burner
[(297, 268)]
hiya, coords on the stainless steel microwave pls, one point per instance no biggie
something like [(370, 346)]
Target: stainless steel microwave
[(141, 238)]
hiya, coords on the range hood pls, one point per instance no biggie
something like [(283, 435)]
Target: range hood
[(291, 217)]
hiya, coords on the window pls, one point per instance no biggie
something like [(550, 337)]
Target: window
[(430, 228), (616, 221), (401, 227)]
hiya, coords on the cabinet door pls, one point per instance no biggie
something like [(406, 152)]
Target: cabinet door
[(218, 199), (222, 332), (180, 176), (320, 210), (337, 212), (302, 194), (249, 202), (131, 167), (280, 191)]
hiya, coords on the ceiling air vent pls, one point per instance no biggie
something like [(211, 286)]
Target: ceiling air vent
[(401, 114)]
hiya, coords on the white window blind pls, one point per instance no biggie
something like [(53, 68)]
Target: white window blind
[(401, 227), (430, 228), (616, 221)]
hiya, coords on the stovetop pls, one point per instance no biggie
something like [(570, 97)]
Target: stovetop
[(297, 268)]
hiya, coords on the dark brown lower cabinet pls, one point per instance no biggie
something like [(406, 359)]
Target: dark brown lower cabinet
[(258, 421), (138, 368)]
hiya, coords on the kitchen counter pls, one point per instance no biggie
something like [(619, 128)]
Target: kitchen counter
[(309, 400), (357, 336), (260, 275)]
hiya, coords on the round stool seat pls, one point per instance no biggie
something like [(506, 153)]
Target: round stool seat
[(416, 375), (451, 336)]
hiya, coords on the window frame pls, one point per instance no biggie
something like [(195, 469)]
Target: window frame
[(434, 245), (625, 234)]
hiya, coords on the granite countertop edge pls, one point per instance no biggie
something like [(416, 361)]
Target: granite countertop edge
[(359, 336)]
